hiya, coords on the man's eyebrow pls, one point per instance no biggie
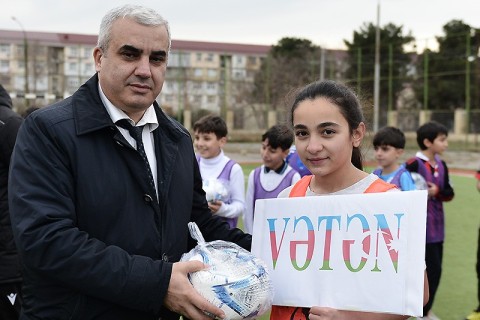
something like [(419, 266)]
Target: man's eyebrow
[(162, 53), (128, 47)]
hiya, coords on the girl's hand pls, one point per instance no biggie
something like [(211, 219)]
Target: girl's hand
[(323, 313)]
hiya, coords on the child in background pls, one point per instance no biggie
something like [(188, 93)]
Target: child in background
[(210, 135), (274, 175), (389, 144), (475, 315), (432, 140), (329, 127)]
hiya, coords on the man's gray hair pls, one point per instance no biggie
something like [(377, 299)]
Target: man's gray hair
[(142, 15)]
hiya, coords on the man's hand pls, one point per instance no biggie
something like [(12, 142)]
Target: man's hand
[(183, 299)]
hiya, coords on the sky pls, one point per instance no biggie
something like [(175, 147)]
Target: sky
[(326, 23)]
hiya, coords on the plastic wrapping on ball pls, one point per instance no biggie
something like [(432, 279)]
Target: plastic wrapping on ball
[(419, 181), (216, 190), (236, 281)]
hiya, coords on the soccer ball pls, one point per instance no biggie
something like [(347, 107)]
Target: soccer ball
[(236, 281), (215, 190), (419, 181)]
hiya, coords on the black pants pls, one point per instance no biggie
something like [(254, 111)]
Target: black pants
[(433, 260), (9, 311)]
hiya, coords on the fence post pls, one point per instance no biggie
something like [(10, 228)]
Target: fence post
[(424, 116), (187, 119), (460, 121), (392, 118), (229, 119), (272, 118)]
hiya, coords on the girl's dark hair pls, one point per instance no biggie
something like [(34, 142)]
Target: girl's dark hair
[(343, 97)]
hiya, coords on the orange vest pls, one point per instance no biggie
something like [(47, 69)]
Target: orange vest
[(299, 190)]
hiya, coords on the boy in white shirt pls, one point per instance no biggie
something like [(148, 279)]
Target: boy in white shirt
[(268, 180), (210, 135)]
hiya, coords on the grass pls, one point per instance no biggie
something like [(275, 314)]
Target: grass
[(457, 294)]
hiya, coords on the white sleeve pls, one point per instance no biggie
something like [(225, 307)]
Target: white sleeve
[(236, 206), (249, 204), (295, 178)]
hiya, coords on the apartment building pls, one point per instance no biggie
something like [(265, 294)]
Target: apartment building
[(201, 75)]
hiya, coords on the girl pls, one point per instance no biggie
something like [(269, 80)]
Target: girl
[(329, 127)]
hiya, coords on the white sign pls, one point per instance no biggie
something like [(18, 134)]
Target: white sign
[(351, 252)]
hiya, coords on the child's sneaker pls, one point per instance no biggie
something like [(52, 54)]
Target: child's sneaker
[(475, 315)]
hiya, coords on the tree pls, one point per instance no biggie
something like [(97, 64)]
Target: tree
[(290, 64), (447, 68), (393, 62)]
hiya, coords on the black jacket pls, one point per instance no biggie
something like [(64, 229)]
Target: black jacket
[(94, 241), (9, 124)]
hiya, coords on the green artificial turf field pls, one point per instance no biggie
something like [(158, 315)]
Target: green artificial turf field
[(456, 296)]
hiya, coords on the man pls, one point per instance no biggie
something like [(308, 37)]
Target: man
[(99, 238), (10, 274)]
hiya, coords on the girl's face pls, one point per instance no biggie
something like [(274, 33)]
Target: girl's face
[(323, 138)]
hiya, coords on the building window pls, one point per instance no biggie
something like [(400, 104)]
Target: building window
[(73, 51), (88, 52), (4, 65), (20, 50), (88, 67), (212, 73), (199, 56), (252, 60), (198, 72), (73, 83), (4, 49), (212, 99), (197, 99), (209, 57), (72, 66)]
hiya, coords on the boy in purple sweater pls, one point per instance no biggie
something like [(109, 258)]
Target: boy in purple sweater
[(432, 140)]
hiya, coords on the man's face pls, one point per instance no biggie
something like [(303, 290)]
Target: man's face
[(132, 70)]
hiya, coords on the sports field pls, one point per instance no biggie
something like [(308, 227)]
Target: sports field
[(456, 296)]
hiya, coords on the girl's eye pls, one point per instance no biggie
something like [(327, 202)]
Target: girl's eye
[(300, 133), (328, 132)]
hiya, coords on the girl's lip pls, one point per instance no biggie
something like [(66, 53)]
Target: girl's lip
[(317, 160)]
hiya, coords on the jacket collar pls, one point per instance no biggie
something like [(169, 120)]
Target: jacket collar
[(90, 113)]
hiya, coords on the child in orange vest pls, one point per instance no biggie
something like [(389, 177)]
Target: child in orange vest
[(329, 127)]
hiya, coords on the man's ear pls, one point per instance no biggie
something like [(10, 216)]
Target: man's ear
[(358, 134), (97, 57)]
